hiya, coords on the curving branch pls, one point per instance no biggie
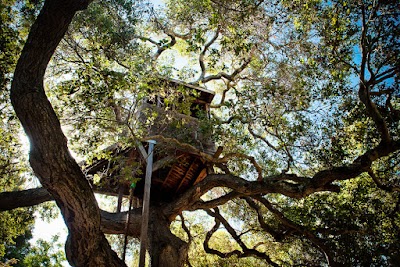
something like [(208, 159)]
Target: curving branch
[(365, 86), (200, 204), (230, 77), (298, 229), (264, 140), (237, 155), (378, 182), (387, 74), (161, 47), (290, 158), (203, 53), (373, 111), (287, 184), (277, 235), (245, 10), (229, 86), (245, 251), (282, 184), (360, 165)]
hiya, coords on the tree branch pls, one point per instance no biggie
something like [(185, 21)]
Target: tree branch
[(278, 236), (230, 77), (360, 165), (282, 184), (203, 52), (185, 228), (299, 229), (364, 86), (160, 46), (215, 202), (287, 184), (50, 158), (24, 198), (111, 223), (223, 96), (389, 73), (382, 186), (246, 252)]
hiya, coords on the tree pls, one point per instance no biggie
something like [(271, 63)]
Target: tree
[(45, 254), (294, 177), (15, 225)]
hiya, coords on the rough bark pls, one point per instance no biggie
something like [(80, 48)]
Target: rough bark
[(165, 249), (64, 181), (115, 223), (50, 159), (24, 198)]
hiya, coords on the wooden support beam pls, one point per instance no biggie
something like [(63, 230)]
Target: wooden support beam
[(146, 204), (201, 176), (142, 151), (120, 196)]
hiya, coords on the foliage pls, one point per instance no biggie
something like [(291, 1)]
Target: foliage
[(359, 224), (45, 254), (15, 225), (307, 100)]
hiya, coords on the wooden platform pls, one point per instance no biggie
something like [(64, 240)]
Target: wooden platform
[(174, 172)]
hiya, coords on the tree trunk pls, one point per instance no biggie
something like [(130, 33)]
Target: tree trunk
[(49, 156), (165, 249)]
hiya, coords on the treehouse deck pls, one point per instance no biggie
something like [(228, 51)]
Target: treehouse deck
[(172, 174)]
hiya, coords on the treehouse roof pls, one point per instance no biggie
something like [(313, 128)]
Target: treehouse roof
[(205, 95)]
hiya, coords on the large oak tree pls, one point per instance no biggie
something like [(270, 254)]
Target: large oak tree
[(307, 115)]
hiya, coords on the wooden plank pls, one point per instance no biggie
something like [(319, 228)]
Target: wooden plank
[(146, 205), (168, 176), (201, 176), (187, 175), (142, 151)]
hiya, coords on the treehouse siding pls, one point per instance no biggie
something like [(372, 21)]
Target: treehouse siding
[(171, 124)]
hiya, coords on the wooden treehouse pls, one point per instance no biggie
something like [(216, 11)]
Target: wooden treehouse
[(174, 168)]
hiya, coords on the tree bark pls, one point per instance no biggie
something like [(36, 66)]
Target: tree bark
[(165, 249), (50, 159)]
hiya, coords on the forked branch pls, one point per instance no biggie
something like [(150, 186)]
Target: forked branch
[(300, 230), (203, 53), (245, 250)]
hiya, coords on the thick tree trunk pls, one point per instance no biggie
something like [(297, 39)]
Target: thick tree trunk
[(50, 159), (165, 249)]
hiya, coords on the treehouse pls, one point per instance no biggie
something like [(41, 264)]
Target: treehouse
[(175, 116)]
